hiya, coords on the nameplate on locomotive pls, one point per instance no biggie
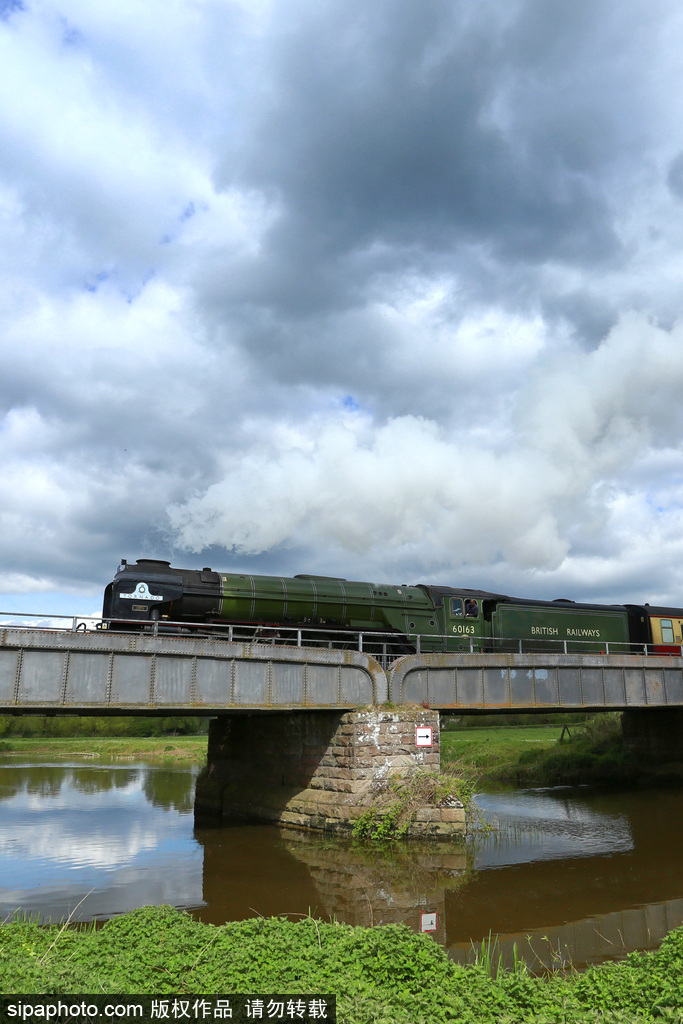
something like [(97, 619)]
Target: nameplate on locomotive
[(142, 593)]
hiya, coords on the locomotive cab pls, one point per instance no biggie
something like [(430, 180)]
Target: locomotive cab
[(465, 617)]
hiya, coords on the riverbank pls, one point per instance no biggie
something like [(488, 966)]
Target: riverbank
[(386, 974), (186, 750), (495, 752), (591, 752), (492, 753)]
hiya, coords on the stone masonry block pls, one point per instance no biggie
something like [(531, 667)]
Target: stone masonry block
[(400, 761), (453, 814), (333, 785), (428, 814)]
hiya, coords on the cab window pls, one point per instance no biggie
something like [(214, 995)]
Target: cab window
[(456, 608), (667, 631)]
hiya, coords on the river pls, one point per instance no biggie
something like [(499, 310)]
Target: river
[(566, 874)]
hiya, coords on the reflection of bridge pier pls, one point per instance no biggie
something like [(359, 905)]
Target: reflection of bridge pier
[(584, 877), (248, 872), (591, 940), (365, 886), (254, 870)]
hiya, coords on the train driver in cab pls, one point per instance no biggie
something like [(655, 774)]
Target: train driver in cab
[(471, 608)]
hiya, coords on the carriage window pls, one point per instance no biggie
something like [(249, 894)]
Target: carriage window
[(456, 607), (667, 631)]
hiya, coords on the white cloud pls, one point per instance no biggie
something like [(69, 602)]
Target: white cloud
[(437, 499), (386, 294)]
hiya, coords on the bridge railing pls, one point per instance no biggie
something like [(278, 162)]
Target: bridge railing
[(516, 645), (32, 620), (384, 647)]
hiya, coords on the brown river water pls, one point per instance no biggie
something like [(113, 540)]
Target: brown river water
[(566, 874)]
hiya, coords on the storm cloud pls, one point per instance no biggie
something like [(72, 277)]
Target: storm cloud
[(385, 291)]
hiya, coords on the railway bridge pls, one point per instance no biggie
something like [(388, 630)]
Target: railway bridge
[(302, 735)]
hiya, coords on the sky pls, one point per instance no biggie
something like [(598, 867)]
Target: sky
[(386, 291)]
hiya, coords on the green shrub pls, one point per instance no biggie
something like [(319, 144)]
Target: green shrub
[(385, 974)]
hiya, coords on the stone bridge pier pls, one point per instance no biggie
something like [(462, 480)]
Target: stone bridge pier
[(319, 769), (656, 733)]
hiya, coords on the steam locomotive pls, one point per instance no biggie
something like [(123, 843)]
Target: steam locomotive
[(153, 594)]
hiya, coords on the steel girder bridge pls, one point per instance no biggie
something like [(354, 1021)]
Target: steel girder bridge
[(61, 671)]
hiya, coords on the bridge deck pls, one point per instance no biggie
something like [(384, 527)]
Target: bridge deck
[(101, 672), (115, 673), (521, 682)]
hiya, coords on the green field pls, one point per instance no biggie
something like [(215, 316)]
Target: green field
[(488, 750), (540, 755), (186, 749), (499, 747), (524, 753)]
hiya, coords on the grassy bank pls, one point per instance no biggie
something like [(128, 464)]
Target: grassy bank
[(54, 726), (385, 975), (593, 751), (495, 750), (185, 749)]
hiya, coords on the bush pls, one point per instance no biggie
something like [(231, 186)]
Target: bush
[(53, 726), (385, 975)]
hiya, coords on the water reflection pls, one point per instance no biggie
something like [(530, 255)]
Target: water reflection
[(121, 835), (566, 872), (602, 877), (587, 941), (566, 875), (248, 870), (543, 824)]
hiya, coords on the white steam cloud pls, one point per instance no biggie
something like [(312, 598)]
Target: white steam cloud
[(580, 473)]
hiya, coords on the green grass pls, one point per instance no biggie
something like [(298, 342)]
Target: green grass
[(54, 726), (490, 749), (594, 752), (383, 975), (187, 749)]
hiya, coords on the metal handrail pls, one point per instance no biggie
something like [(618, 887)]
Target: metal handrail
[(378, 643), (78, 622)]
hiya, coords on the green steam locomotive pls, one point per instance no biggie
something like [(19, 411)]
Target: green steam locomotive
[(153, 594)]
